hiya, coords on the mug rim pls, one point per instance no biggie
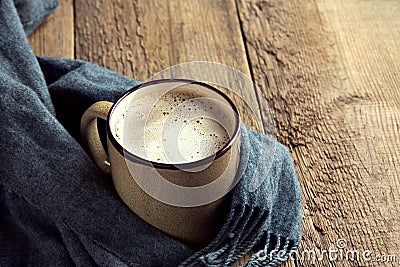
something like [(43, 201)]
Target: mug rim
[(173, 166)]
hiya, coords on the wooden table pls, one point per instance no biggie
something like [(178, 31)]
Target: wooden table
[(329, 71)]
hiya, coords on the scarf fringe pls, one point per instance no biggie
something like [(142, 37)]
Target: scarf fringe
[(273, 255), (237, 246), (240, 234)]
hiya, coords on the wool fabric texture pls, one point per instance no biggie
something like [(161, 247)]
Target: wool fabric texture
[(57, 208)]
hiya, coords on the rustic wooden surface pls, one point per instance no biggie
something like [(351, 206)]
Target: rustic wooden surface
[(55, 37), (329, 71)]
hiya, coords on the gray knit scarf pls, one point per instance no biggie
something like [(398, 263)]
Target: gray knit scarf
[(58, 209)]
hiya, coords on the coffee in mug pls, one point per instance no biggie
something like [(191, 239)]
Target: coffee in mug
[(173, 153), (193, 117)]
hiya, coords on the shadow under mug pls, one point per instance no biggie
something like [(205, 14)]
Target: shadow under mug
[(182, 197)]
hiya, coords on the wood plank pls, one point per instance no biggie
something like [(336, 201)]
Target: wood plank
[(55, 37), (141, 38), (330, 70)]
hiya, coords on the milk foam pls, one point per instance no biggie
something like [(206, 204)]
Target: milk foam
[(178, 126)]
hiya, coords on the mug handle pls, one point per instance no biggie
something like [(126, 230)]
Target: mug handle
[(90, 135)]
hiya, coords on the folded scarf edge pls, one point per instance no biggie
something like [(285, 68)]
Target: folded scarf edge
[(229, 246)]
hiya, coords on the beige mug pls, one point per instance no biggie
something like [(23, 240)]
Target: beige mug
[(173, 153)]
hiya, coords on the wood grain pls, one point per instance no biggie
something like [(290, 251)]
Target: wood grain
[(139, 40), (55, 37), (329, 69)]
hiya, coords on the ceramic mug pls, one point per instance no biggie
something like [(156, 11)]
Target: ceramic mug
[(172, 151)]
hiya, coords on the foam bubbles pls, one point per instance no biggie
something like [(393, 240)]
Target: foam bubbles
[(181, 126)]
